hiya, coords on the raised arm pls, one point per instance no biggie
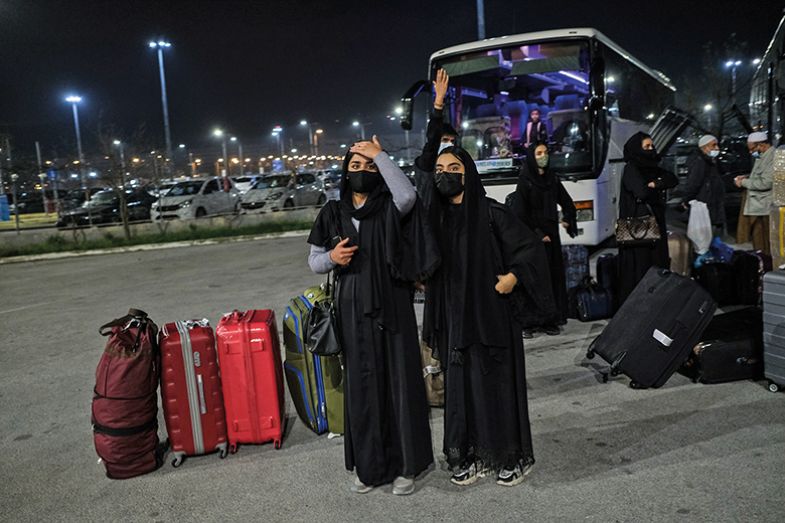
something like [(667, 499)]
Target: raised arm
[(402, 190)]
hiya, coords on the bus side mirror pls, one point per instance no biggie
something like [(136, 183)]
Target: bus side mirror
[(407, 102)]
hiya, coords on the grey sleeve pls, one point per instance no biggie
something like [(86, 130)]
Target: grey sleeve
[(402, 190), (319, 260)]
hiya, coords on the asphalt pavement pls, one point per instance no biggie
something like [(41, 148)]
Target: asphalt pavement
[(605, 452)]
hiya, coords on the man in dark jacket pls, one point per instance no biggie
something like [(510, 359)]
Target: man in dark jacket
[(704, 182), (438, 136)]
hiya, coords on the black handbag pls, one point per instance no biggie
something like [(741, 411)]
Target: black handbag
[(321, 327), (638, 230)]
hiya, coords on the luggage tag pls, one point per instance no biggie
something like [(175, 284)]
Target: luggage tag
[(663, 338)]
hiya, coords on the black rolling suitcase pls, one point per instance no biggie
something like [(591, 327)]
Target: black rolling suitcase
[(656, 328), (730, 349)]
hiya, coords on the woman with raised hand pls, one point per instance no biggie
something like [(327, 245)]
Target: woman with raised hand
[(367, 239)]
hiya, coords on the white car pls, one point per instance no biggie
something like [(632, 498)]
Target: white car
[(283, 191), (197, 198), (245, 182)]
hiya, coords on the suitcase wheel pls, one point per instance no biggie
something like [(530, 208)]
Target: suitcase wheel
[(605, 377), (773, 387), (590, 354), (233, 448), (615, 372), (223, 453), (277, 444), (635, 385), (177, 461)]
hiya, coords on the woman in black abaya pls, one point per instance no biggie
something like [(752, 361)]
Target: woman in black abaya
[(371, 239), (486, 254), (643, 186), (534, 202)]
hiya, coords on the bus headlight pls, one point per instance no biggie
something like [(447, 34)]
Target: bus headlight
[(585, 210)]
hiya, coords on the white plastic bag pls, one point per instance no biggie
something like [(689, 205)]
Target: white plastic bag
[(699, 227)]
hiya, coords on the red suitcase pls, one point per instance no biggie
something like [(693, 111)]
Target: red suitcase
[(250, 356), (191, 390)]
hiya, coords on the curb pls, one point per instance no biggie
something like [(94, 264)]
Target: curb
[(150, 247)]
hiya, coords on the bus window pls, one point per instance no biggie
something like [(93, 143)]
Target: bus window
[(495, 95)]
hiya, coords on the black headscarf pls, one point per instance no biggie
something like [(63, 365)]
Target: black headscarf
[(483, 315), (532, 170), (647, 163), (396, 247)]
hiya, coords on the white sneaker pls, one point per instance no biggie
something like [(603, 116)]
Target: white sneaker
[(510, 478), (403, 486), (466, 475), (358, 487)]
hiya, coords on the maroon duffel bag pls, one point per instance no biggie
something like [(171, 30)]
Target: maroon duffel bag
[(125, 399)]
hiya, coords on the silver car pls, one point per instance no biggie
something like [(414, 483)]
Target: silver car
[(284, 191), (197, 198)]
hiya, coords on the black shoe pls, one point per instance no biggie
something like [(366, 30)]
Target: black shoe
[(528, 334), (551, 330)]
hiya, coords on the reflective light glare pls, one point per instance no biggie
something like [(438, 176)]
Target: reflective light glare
[(233, 139), (218, 133), (465, 125), (756, 61), (319, 131), (181, 146), (355, 124), (708, 107), (73, 99), (303, 122), (116, 142), (399, 110)]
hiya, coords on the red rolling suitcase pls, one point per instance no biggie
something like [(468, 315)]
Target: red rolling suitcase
[(250, 356), (191, 390)]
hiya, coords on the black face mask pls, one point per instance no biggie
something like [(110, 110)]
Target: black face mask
[(364, 181), (448, 184)]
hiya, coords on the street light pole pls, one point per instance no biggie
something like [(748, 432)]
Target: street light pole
[(316, 141), (310, 133), (160, 46), (74, 100), (362, 128)]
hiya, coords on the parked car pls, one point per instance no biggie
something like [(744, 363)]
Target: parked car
[(76, 197), (31, 201), (161, 188), (243, 183), (197, 198), (104, 208), (284, 191)]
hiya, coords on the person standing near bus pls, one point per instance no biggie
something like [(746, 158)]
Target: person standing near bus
[(643, 186), (469, 322), (387, 434), (535, 202), (759, 184), (535, 131), (704, 182)]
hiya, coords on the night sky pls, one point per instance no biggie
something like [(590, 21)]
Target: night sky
[(248, 65)]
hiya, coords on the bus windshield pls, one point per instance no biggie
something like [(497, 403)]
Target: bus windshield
[(503, 100)]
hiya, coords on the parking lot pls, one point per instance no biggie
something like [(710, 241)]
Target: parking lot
[(604, 452)]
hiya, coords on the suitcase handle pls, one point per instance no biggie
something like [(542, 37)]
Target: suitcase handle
[(200, 385)]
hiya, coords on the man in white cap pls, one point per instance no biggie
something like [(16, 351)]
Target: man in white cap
[(758, 185), (704, 182)]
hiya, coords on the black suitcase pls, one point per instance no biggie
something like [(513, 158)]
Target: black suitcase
[(719, 279), (608, 276), (731, 349), (749, 268), (656, 328)]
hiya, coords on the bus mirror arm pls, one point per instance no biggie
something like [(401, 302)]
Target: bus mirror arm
[(407, 102)]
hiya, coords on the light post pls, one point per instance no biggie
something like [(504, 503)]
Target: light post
[(218, 133), (278, 134), (362, 128), (316, 135), (234, 139), (120, 146), (708, 108), (307, 124), (74, 100), (732, 65), (160, 45), (399, 112)]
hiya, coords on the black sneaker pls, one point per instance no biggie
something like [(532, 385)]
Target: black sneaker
[(528, 334), (466, 476), (510, 478), (551, 330)]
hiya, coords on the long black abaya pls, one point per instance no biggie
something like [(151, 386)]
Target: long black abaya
[(473, 329), (387, 432), (534, 203), (635, 196)]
